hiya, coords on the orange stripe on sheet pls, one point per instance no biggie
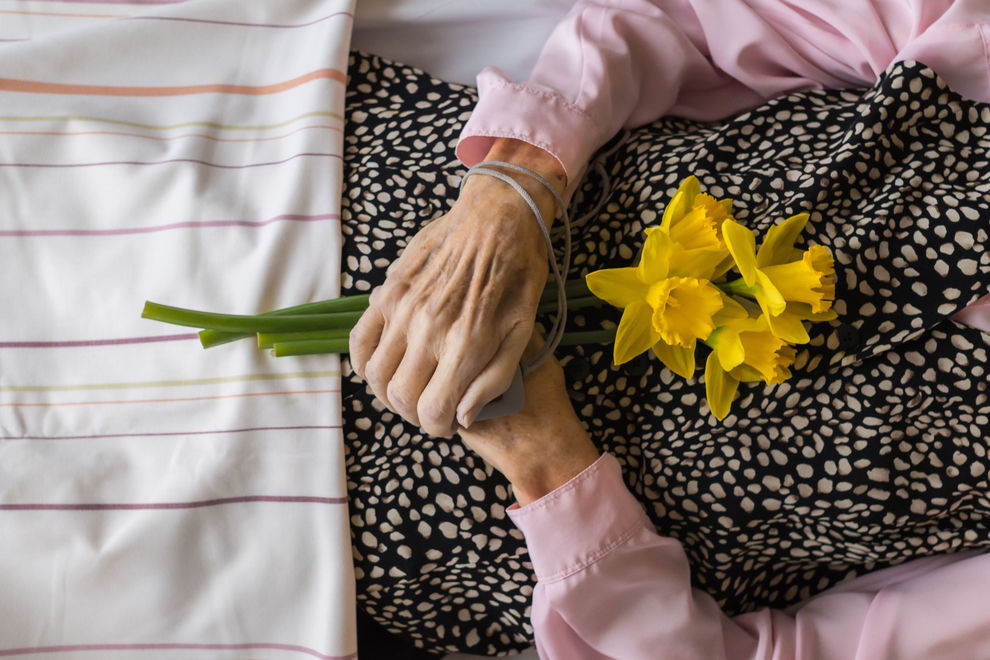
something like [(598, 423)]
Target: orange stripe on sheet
[(192, 398), (38, 87)]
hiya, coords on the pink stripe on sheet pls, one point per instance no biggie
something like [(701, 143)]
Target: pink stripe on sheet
[(221, 501), (293, 217), (36, 650), (59, 14), (238, 24), (178, 18), (98, 402), (166, 433), (97, 342), (194, 161)]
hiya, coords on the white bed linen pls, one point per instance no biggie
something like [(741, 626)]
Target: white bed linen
[(158, 500), (455, 39)]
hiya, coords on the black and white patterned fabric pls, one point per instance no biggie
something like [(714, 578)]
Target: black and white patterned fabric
[(875, 451)]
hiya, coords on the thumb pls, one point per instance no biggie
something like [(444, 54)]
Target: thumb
[(497, 376)]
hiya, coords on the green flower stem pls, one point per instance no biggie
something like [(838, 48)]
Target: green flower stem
[(334, 313), (310, 347), (739, 288), (332, 345), (213, 337), (572, 303), (248, 324), (210, 338), (587, 337), (573, 288), (269, 339)]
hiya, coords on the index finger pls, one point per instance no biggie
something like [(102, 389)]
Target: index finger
[(364, 338)]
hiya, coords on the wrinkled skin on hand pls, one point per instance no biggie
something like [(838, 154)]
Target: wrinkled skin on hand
[(542, 446), (444, 333)]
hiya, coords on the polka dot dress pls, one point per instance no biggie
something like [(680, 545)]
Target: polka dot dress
[(873, 453)]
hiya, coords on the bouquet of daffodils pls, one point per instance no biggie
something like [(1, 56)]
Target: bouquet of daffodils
[(680, 293)]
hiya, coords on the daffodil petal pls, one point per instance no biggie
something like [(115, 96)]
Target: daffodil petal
[(804, 311), (720, 387), (617, 286), (654, 263), (768, 296), (730, 350), (742, 246), (746, 374), (691, 186), (675, 210), (635, 333), (778, 246), (678, 359), (724, 267), (700, 263), (731, 311), (789, 328), (681, 203)]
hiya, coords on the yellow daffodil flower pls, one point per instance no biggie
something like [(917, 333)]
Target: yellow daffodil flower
[(779, 274), (744, 350), (693, 219), (667, 300)]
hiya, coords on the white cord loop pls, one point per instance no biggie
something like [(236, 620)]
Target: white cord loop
[(488, 168)]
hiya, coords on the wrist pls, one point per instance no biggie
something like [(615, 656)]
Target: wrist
[(531, 157), (532, 481), (540, 162)]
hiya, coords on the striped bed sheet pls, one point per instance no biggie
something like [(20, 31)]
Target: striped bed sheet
[(158, 500)]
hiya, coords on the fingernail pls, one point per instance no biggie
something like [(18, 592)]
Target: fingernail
[(467, 419)]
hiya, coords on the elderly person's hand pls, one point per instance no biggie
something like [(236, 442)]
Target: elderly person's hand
[(544, 445), (444, 334)]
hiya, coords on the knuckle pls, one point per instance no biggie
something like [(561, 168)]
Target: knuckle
[(435, 416), (355, 340), (357, 365), (399, 399), (358, 343), (375, 298), (372, 374)]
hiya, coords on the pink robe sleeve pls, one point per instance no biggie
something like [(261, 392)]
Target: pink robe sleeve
[(610, 587), (623, 63)]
